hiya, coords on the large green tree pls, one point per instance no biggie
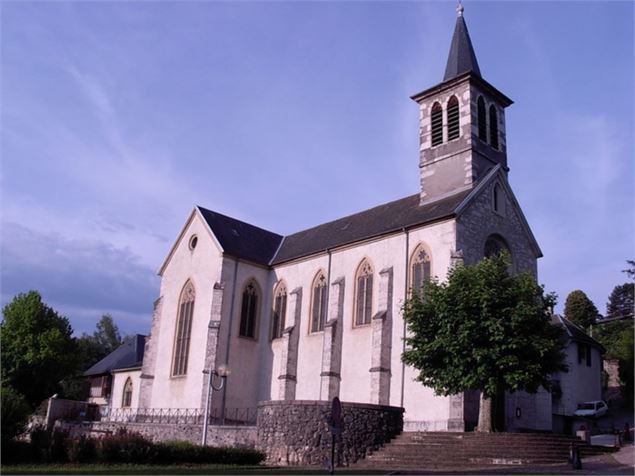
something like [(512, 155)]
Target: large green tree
[(580, 310), (37, 347), (483, 329)]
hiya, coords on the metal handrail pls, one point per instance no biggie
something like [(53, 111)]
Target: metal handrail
[(185, 416)]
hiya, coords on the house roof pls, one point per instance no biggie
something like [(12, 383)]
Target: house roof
[(576, 333), (462, 58), (240, 239), (377, 221), (127, 355)]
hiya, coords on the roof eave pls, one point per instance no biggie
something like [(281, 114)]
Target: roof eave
[(472, 78)]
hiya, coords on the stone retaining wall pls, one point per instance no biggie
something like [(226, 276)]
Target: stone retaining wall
[(240, 436), (296, 432)]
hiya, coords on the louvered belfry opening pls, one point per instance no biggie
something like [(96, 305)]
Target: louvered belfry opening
[(453, 118), (436, 121), (482, 120), (493, 127)]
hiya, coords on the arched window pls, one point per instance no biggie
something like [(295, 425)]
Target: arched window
[(498, 199), (363, 294), (482, 120), (453, 118), (419, 269), (318, 303), (126, 398), (436, 124), (279, 311), (493, 127), (249, 311), (495, 245), (183, 330)]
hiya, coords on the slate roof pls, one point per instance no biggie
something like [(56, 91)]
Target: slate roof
[(127, 356), (377, 221), (248, 242), (577, 334), (241, 239), (461, 58)]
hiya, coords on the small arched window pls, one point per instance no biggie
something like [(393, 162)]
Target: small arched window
[(183, 330), (495, 245), (419, 269), (436, 124), (482, 119), (126, 397), (453, 118), (493, 127), (279, 311), (249, 311), (318, 303), (364, 294)]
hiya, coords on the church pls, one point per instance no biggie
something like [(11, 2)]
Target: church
[(317, 314)]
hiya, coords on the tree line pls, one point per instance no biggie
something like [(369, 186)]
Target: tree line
[(40, 356)]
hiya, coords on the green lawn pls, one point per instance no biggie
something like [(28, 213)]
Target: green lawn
[(90, 469)]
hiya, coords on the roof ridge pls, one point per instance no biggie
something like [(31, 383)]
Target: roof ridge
[(352, 214)]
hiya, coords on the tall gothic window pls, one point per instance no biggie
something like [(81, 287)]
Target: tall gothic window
[(318, 303), (453, 118), (249, 311), (493, 127), (482, 119), (364, 294), (279, 311), (436, 124), (183, 330), (419, 269), (126, 398)]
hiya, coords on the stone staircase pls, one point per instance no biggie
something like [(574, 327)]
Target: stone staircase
[(448, 450)]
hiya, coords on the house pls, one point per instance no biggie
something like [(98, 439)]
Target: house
[(582, 382), (121, 367)]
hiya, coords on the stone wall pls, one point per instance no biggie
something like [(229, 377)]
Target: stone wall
[(239, 436), (297, 432)]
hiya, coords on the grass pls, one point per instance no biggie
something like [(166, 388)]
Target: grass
[(115, 469)]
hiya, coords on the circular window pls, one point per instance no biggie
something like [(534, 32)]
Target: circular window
[(193, 242)]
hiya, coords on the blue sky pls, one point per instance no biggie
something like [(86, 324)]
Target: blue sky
[(118, 117)]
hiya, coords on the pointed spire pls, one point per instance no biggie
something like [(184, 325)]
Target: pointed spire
[(461, 58)]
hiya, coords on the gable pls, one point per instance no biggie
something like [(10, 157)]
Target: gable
[(478, 218), (194, 215)]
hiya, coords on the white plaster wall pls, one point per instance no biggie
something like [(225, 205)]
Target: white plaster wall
[(580, 383), (421, 404), (202, 266), (250, 360), (301, 274), (119, 381)]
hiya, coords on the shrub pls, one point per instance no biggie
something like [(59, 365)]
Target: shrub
[(81, 450), (175, 452), (124, 447), (14, 413), (15, 452)]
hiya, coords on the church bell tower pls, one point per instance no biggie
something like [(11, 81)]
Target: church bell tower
[(462, 123)]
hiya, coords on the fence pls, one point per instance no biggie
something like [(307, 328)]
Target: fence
[(183, 416)]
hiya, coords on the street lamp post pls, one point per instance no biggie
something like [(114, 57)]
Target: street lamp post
[(223, 372)]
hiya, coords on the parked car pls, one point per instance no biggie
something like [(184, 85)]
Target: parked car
[(594, 409)]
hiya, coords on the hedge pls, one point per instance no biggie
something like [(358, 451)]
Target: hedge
[(122, 447)]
